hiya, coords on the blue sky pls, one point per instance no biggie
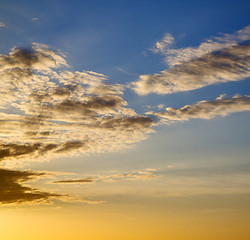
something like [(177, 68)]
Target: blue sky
[(141, 99)]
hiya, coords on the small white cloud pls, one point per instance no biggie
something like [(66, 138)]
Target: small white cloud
[(2, 25), (164, 44)]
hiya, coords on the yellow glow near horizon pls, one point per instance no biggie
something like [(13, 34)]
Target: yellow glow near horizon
[(122, 222)]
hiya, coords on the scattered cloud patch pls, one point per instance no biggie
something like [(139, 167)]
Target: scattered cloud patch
[(47, 109)]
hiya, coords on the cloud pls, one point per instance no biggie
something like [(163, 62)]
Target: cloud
[(210, 63), (46, 109), (174, 56), (231, 64), (13, 190), (145, 174), (205, 109), (82, 180), (2, 25), (164, 44)]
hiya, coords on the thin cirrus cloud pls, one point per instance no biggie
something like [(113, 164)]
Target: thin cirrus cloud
[(205, 109), (220, 60), (45, 111), (146, 174)]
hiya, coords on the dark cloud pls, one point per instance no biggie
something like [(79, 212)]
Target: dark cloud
[(82, 180), (12, 189), (20, 150)]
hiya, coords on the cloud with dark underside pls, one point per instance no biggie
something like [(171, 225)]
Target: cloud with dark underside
[(222, 59), (82, 180), (46, 109), (12, 190), (205, 109), (230, 64)]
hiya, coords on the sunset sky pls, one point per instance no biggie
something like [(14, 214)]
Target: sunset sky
[(124, 120)]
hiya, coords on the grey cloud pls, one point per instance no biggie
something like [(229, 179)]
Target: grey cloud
[(230, 64), (12, 190), (206, 109)]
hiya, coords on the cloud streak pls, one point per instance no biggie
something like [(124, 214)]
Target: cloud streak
[(146, 174), (217, 60), (230, 64), (174, 56), (205, 109)]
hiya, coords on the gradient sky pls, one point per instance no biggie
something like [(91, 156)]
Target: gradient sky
[(124, 120)]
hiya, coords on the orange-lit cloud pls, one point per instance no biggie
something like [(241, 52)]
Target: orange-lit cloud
[(146, 174)]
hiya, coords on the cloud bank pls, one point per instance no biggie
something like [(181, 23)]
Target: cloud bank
[(47, 109), (221, 60)]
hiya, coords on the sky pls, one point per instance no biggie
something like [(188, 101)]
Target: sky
[(124, 119)]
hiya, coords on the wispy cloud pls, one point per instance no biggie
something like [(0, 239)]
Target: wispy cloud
[(44, 110), (224, 60), (174, 56), (205, 109), (146, 174)]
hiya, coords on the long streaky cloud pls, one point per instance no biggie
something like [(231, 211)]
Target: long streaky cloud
[(146, 174), (221, 60), (205, 109), (231, 64), (174, 56)]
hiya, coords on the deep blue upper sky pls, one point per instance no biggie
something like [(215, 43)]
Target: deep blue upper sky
[(105, 36)]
